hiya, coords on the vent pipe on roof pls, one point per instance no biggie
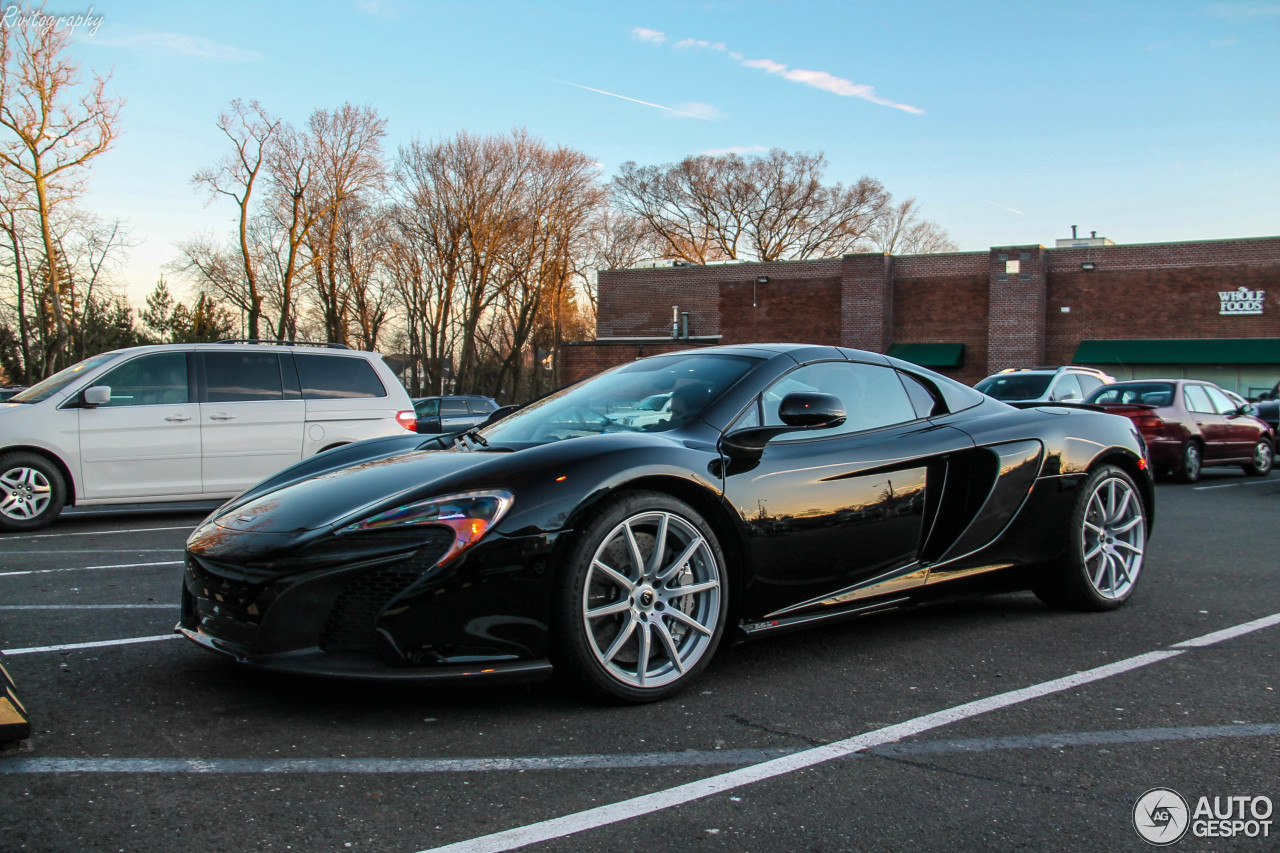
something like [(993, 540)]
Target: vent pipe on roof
[(675, 321), (1073, 232)]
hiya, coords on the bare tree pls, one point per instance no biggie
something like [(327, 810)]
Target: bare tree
[(54, 127), (346, 155), (900, 231), (251, 131), (764, 208)]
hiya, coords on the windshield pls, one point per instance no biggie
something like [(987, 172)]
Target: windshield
[(1015, 386), (605, 403), (61, 379), (1146, 393)]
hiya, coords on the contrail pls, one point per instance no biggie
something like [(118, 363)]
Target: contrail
[(1006, 207), (625, 98)]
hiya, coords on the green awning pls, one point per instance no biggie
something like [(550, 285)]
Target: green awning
[(1183, 351), (930, 355)]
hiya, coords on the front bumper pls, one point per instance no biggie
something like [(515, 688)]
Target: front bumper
[(387, 612)]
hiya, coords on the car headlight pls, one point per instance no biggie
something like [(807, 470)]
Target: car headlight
[(468, 514)]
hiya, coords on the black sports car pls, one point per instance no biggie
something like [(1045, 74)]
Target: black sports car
[(787, 485)]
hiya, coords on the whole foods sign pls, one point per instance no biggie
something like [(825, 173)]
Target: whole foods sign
[(1241, 301)]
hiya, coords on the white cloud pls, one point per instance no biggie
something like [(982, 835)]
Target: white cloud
[(701, 45), (197, 47), (654, 36), (829, 83), (736, 149), (695, 109)]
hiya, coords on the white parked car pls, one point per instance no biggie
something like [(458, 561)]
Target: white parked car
[(179, 422), (649, 411), (1044, 384)]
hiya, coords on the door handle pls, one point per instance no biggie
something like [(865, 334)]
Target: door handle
[(178, 418), (222, 417)]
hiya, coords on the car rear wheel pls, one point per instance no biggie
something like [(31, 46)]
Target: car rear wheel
[(641, 602), (1105, 552), (1263, 459), (1192, 462), (32, 491)]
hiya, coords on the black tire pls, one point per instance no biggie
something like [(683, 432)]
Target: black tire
[(1107, 538), (1263, 459), (668, 612), (32, 491), (1192, 462)]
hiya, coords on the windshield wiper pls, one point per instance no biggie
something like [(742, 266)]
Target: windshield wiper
[(473, 434)]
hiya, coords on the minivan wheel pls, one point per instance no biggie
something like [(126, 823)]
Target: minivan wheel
[(32, 491)]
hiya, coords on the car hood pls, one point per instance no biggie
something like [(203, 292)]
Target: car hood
[(346, 493)]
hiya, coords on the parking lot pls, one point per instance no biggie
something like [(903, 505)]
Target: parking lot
[(985, 724)]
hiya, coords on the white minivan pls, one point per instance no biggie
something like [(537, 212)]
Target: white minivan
[(180, 422)]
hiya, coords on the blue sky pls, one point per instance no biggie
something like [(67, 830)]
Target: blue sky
[(1009, 122)]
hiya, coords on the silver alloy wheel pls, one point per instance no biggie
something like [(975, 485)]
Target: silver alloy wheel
[(651, 601), (26, 493), (1191, 462), (1114, 536), (1262, 457)]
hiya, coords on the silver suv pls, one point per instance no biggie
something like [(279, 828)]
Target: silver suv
[(180, 422), (1044, 384)]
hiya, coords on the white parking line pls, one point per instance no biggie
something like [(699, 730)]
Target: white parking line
[(93, 533), (83, 606), (1233, 485), (73, 646), (645, 804), (90, 568)]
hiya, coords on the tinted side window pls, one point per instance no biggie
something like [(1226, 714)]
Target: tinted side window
[(1197, 399), (335, 377), (1089, 384), (428, 408), (483, 406), (872, 396), (1221, 403), (453, 407), (150, 380), (1068, 388), (232, 377), (921, 397)]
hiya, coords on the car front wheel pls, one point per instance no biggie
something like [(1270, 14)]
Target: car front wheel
[(32, 492), (641, 602), (1108, 536), (1191, 462), (1263, 459)]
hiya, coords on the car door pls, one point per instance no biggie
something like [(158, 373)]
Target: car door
[(454, 414), (1212, 426), (145, 442), (249, 429), (833, 509), (1242, 432)]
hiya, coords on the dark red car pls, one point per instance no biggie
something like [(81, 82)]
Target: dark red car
[(1190, 424)]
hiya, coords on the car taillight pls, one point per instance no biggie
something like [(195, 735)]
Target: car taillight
[(1149, 424), (408, 420)]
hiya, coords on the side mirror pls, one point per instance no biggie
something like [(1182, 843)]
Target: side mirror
[(98, 395), (1247, 409), (799, 411), (500, 413)]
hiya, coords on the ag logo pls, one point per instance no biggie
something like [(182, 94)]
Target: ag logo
[(1161, 816)]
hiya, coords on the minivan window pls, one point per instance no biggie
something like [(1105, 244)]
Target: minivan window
[(47, 388), (232, 377), (453, 407), (334, 377), (149, 380)]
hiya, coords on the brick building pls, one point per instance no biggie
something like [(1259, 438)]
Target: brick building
[(1207, 309)]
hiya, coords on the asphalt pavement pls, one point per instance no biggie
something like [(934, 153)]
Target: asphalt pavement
[(989, 724)]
